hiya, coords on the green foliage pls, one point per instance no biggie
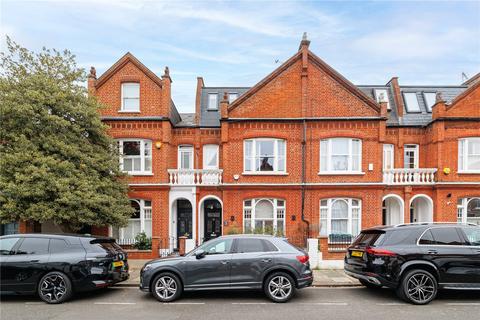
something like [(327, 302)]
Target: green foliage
[(142, 242), (233, 230), (56, 159)]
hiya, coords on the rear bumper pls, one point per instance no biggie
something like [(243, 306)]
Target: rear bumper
[(370, 277), (304, 282)]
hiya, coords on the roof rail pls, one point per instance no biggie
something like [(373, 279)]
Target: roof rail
[(427, 223)]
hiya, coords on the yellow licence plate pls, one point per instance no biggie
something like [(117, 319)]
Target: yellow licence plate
[(357, 254), (117, 264)]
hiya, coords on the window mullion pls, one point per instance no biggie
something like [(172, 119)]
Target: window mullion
[(350, 216), (329, 154), (142, 215), (275, 155), (329, 216), (142, 156)]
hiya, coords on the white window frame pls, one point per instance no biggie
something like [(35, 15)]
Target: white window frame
[(462, 207), (326, 216), (212, 147), (185, 149), (254, 156), (378, 92), (145, 214), (388, 156), (411, 147), (279, 213), (142, 156), (230, 99), (125, 84), (209, 105), (425, 98), (329, 166), (463, 155), (408, 98)]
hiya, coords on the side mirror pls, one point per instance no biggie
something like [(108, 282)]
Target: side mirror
[(199, 254)]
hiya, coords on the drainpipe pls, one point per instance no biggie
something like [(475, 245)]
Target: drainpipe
[(304, 143)]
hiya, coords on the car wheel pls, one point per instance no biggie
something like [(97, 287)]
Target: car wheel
[(418, 287), (279, 287), (166, 287), (55, 287), (369, 285)]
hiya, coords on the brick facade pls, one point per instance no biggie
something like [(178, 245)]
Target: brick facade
[(302, 102)]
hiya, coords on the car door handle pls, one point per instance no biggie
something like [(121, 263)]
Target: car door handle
[(266, 260), (34, 260), (224, 261), (432, 251)]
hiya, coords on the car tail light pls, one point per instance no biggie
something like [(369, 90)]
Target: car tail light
[(303, 259), (381, 252)]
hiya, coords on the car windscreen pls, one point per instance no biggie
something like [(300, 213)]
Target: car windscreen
[(369, 238)]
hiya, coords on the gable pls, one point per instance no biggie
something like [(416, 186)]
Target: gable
[(467, 104), (279, 95)]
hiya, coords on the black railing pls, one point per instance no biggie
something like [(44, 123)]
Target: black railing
[(339, 242)]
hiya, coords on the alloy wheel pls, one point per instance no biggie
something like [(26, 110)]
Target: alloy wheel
[(166, 287), (420, 288), (280, 287), (53, 288)]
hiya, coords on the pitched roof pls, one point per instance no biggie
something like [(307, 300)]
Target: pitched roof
[(128, 57)]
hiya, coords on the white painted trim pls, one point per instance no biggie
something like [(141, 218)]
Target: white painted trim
[(264, 173), (201, 213), (402, 204), (341, 173), (205, 147), (254, 153), (187, 148), (429, 200), (122, 107)]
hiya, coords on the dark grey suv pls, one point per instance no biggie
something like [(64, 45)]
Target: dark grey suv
[(231, 262)]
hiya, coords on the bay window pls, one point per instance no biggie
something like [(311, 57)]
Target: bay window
[(140, 221), (264, 216), (340, 155), (264, 155), (340, 217), (468, 210), (469, 155), (135, 156)]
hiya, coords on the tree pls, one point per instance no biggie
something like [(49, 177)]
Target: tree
[(56, 160)]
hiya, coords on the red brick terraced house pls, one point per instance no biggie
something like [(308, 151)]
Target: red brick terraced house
[(303, 153)]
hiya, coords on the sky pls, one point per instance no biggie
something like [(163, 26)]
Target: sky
[(238, 43)]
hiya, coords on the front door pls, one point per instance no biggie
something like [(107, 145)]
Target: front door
[(213, 219), (184, 219)]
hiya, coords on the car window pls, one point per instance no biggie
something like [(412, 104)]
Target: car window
[(397, 237), (251, 245), (447, 236), (33, 246), (57, 245), (270, 246), (473, 236), (6, 245), (218, 247), (371, 238), (427, 238)]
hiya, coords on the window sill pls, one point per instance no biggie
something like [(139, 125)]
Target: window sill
[(265, 173), (139, 173), (469, 172), (334, 173), (128, 111)]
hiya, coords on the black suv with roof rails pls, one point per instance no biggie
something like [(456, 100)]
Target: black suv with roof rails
[(56, 266), (417, 259)]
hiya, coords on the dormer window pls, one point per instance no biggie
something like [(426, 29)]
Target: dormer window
[(130, 97), (430, 98), (232, 96), (411, 102), (379, 93), (212, 101)]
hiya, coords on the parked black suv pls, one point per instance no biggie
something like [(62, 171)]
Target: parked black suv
[(417, 259), (231, 262), (55, 266)]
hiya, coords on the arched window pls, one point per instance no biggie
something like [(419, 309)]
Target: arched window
[(140, 221), (264, 216), (468, 210), (340, 216)]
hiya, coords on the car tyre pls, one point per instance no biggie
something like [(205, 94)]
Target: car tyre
[(279, 287), (369, 285), (166, 287), (418, 287), (54, 288)]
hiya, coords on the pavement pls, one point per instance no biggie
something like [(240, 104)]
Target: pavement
[(309, 303), (322, 278)]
